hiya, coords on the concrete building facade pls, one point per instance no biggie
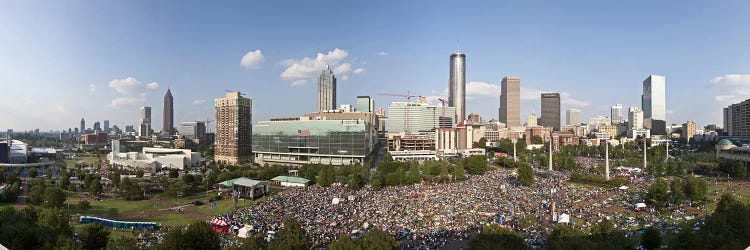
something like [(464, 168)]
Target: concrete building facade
[(510, 101), (551, 110), (234, 131)]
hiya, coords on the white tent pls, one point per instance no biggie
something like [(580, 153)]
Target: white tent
[(640, 205), (623, 187), (336, 201), (563, 218), (244, 232)]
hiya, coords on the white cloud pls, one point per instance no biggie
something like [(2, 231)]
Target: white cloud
[(299, 82), (359, 71), (477, 89), (252, 59), (342, 69), (199, 102), (92, 88), (382, 53), (127, 101), (132, 91), (731, 88), (307, 68), (125, 86)]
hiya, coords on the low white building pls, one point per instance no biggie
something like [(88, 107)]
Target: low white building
[(155, 158)]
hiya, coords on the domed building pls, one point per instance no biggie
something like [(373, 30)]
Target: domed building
[(724, 144)]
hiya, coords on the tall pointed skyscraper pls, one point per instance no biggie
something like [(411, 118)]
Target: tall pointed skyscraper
[(326, 90), (168, 114), (457, 86), (83, 126)]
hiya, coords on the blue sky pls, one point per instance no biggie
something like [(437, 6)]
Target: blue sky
[(63, 60)]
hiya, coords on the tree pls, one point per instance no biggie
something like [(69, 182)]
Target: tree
[(651, 238), (696, 189), (291, 236), (525, 174), (537, 140), (740, 172), (198, 236), (657, 192), (33, 173), (55, 220), (139, 173), (345, 243), (376, 239), (677, 193), (64, 179), (388, 156), (476, 164), (495, 237), (122, 243), (114, 176), (459, 172), (173, 173), (84, 205), (94, 236), (96, 188), (413, 173), (54, 197), (355, 182), (685, 239), (377, 182)]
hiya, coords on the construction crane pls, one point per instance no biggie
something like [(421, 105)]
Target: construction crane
[(408, 97), (208, 122), (444, 102)]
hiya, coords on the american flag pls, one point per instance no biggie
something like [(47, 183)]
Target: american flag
[(305, 132)]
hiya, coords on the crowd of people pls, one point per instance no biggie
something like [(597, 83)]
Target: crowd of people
[(433, 215)]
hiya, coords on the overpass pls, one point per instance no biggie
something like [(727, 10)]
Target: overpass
[(27, 165)]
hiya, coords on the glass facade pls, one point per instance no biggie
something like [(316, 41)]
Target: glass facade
[(338, 142)]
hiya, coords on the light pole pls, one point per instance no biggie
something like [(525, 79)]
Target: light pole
[(515, 140), (550, 151), (606, 168), (644, 153)]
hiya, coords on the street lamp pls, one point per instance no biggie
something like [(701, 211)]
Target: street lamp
[(514, 140)]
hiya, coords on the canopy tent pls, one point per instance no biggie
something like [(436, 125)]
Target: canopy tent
[(640, 206), (118, 224), (219, 225), (244, 232), (563, 218), (623, 187)]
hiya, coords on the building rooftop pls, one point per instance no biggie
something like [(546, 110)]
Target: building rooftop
[(292, 179)]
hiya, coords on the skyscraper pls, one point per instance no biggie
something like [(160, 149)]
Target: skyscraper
[(326, 90), (510, 101), (573, 117), (106, 126), (365, 104), (616, 114), (654, 104), (144, 122), (83, 126), (168, 114), (551, 110), (635, 118), (457, 85), (234, 130), (97, 127)]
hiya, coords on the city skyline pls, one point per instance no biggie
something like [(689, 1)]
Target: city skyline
[(89, 71)]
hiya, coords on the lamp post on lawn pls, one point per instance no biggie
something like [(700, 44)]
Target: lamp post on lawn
[(515, 140)]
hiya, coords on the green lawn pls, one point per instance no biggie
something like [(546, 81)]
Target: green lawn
[(123, 206), (222, 207), (715, 191), (170, 219)]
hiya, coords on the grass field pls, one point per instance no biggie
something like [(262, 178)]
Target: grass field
[(123, 206), (740, 190), (170, 219)]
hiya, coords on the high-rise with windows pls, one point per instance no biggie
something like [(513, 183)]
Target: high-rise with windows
[(654, 104), (144, 123), (551, 110), (234, 131), (457, 86), (168, 128), (615, 116), (326, 90), (83, 126), (573, 117), (510, 101)]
